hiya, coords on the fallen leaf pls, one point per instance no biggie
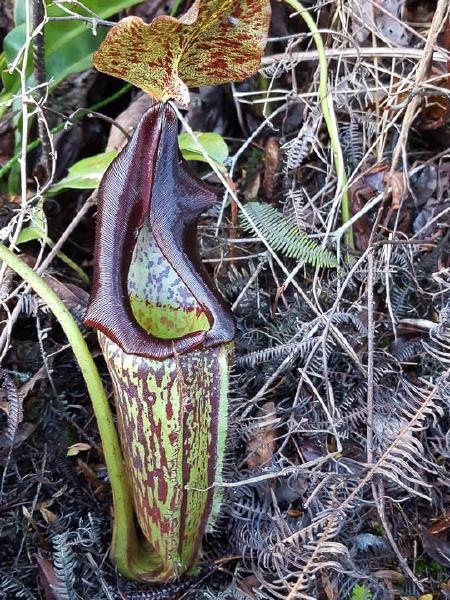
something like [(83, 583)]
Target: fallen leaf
[(215, 42), (48, 581), (128, 120), (445, 586), (91, 476), (60, 492), (361, 192), (75, 449), (271, 163), (48, 516), (399, 189), (45, 504), (435, 110), (29, 385), (248, 586), (441, 524), (252, 185), (424, 184), (24, 431), (262, 443), (72, 295), (329, 588), (435, 540)]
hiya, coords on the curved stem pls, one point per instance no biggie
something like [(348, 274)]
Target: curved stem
[(328, 115), (175, 7), (124, 534)]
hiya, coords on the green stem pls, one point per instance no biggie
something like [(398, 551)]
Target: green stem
[(69, 262), (36, 143), (124, 534), (326, 103), (175, 7)]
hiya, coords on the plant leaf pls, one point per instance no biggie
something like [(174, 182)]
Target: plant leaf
[(76, 448), (215, 42), (87, 173), (284, 236), (213, 143), (360, 592), (68, 44)]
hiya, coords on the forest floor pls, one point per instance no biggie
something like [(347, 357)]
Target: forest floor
[(338, 445)]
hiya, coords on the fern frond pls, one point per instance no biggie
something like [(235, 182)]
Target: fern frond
[(233, 592), (402, 459), (64, 562), (439, 345), (298, 149), (352, 142), (31, 305), (238, 277), (15, 409), (284, 236), (13, 587), (401, 300), (275, 353), (360, 592), (347, 318), (409, 351), (304, 214)]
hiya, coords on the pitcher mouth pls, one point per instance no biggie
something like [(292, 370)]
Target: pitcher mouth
[(151, 294)]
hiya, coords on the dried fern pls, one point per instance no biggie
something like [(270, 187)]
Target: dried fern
[(439, 345), (284, 236), (231, 593), (238, 277), (404, 461), (31, 305), (352, 144), (13, 587), (298, 149), (65, 562), (15, 408), (275, 353)]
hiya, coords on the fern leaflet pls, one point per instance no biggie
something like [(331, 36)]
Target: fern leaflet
[(360, 592), (284, 236)]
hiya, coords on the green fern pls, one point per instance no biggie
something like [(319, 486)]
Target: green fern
[(283, 235), (360, 592)]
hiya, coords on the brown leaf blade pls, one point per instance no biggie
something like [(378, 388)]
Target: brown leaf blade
[(215, 42), (262, 444)]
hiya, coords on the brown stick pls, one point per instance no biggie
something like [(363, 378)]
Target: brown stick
[(40, 77)]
